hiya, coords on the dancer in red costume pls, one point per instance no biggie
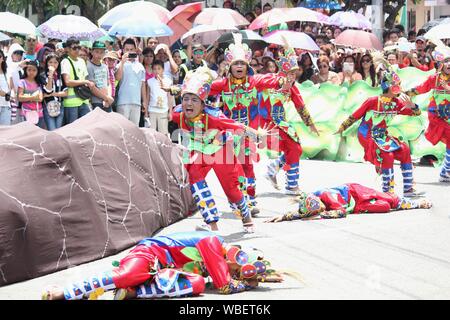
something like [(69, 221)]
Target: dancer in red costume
[(210, 144), (439, 107), (284, 137), (337, 202), (240, 103), (174, 266), (380, 148)]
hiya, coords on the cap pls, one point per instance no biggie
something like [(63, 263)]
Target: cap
[(111, 55), (420, 38), (99, 45), (159, 47)]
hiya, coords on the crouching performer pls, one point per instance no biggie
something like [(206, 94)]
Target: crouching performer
[(337, 202), (174, 266)]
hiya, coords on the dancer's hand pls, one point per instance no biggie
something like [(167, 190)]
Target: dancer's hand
[(278, 218), (406, 100), (338, 132), (314, 130)]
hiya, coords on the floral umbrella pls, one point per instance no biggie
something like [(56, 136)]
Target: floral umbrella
[(64, 27)]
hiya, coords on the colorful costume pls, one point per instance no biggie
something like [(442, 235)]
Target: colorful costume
[(175, 266), (438, 109), (240, 103), (350, 198), (211, 146), (273, 115), (380, 148)]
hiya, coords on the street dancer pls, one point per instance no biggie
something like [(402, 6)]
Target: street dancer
[(239, 93), (439, 106), (273, 116), (337, 202), (174, 266), (211, 146), (380, 148)]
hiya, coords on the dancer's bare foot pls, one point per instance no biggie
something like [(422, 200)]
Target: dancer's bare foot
[(53, 293), (425, 204)]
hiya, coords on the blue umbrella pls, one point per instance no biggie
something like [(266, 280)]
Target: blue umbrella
[(317, 4), (140, 27)]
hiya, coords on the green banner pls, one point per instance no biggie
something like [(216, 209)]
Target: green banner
[(330, 104)]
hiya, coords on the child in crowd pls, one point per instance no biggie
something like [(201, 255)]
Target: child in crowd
[(30, 94)]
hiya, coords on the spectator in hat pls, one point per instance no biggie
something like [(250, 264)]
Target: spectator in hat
[(111, 59), (198, 55), (99, 74), (15, 64), (419, 58)]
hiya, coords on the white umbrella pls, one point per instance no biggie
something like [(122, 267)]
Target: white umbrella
[(305, 14), (350, 19), (13, 23), (63, 27), (441, 31), (298, 40), (220, 16), (131, 9), (206, 34)]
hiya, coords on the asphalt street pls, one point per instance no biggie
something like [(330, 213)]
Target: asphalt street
[(399, 255)]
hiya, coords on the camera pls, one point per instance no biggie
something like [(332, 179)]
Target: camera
[(132, 55), (7, 97)]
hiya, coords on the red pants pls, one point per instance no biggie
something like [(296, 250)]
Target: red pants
[(282, 142), (226, 171), (403, 154), (135, 267)]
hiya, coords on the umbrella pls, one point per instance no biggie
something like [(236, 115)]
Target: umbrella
[(13, 23), (129, 9), (350, 19), (441, 31), (4, 37), (221, 16), (64, 27), (433, 23), (270, 18), (304, 14), (316, 4), (358, 39), (251, 38), (298, 40), (147, 25), (182, 18), (206, 34)]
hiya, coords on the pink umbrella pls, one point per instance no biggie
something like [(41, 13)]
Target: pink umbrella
[(358, 39), (221, 17), (304, 14), (350, 19), (181, 20), (270, 18)]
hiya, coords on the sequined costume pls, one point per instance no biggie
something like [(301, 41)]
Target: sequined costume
[(380, 148), (438, 109), (350, 198), (284, 139), (168, 266), (240, 103)]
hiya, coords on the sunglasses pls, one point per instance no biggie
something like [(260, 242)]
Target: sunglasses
[(199, 52), (75, 47)]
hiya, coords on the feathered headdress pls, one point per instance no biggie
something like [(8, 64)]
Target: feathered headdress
[(288, 61), (198, 82), (238, 51)]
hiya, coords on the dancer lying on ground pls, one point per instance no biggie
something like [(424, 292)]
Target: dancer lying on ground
[(337, 202), (174, 266)]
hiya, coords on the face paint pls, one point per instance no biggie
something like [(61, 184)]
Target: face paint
[(396, 89)]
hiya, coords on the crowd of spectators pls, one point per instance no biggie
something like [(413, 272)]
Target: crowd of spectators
[(41, 82)]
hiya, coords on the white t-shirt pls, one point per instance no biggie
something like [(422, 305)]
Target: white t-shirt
[(4, 86), (158, 97)]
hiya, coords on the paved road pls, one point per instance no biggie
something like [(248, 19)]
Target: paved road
[(400, 255)]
